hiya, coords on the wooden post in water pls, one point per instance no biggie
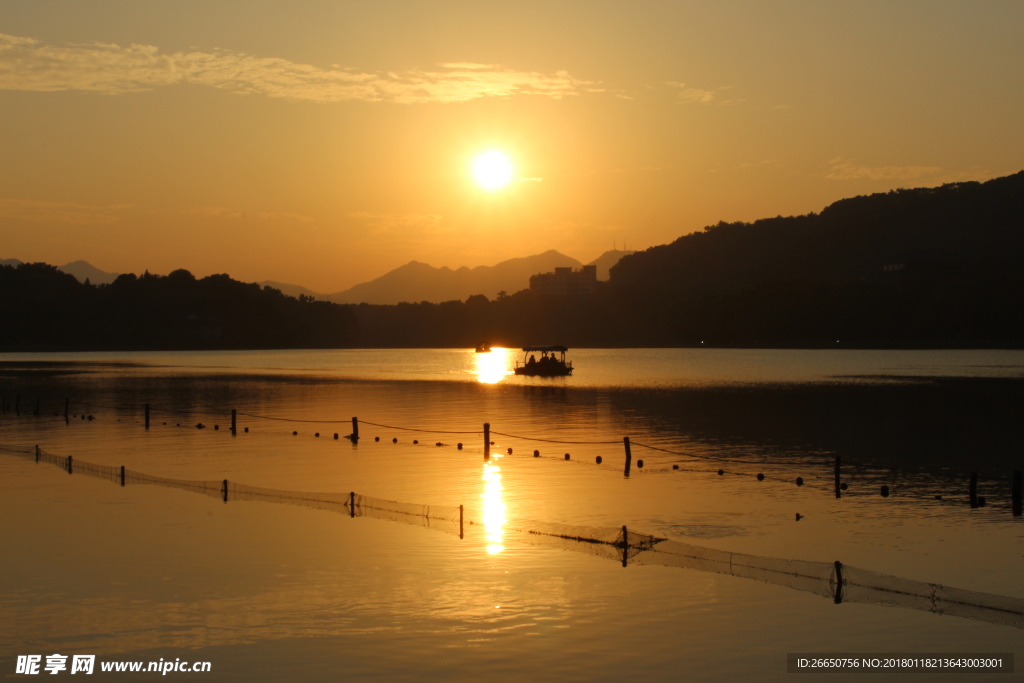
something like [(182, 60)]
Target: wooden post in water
[(225, 490), (234, 421), (629, 457), (460, 521), (67, 402), (487, 440), (839, 582), (972, 490), (839, 491), (625, 545), (1015, 493), (355, 430), (147, 416), (122, 475), (70, 470), (352, 504), (37, 452)]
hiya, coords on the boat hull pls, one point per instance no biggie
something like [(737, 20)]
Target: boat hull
[(543, 372)]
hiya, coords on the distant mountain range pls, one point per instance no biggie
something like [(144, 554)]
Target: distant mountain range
[(82, 270), (416, 281), (413, 282)]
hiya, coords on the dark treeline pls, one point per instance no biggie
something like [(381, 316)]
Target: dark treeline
[(933, 267), (45, 309)]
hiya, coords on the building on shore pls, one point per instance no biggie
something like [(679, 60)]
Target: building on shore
[(565, 282)]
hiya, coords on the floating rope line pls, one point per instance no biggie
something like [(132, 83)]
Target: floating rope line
[(101, 405), (413, 429), (584, 443), (697, 457), (290, 419), (709, 460)]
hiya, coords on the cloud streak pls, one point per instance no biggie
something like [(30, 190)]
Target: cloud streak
[(36, 211), (29, 64), (225, 212), (692, 95), (842, 169)]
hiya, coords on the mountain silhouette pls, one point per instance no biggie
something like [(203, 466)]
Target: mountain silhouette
[(82, 270), (605, 261), (416, 281)]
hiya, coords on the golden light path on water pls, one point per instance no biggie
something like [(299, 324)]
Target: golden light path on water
[(494, 506), (491, 368)]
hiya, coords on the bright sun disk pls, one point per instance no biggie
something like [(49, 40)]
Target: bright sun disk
[(492, 170)]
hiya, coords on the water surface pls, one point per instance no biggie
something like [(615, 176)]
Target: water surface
[(279, 592)]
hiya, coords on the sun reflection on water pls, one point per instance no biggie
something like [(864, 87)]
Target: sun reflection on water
[(493, 507), (491, 368)]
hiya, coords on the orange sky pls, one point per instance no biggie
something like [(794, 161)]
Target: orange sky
[(324, 143)]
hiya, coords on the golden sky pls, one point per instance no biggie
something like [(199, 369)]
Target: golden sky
[(323, 143)]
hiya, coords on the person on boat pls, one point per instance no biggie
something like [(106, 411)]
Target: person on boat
[(532, 361)]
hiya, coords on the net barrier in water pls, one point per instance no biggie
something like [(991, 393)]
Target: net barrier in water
[(212, 488), (866, 586), (834, 580)]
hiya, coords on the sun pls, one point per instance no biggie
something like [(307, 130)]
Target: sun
[(492, 170)]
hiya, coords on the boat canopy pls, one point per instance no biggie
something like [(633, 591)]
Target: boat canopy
[(543, 349)]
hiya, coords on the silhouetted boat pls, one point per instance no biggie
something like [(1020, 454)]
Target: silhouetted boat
[(483, 348), (549, 364)]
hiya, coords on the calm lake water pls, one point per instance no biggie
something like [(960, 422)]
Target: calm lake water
[(282, 592)]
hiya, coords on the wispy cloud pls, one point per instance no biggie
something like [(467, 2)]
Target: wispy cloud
[(692, 95), (688, 95), (843, 169), (225, 212), (36, 211), (29, 64), (405, 225)]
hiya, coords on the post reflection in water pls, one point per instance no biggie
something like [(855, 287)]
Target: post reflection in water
[(491, 368), (493, 507)]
